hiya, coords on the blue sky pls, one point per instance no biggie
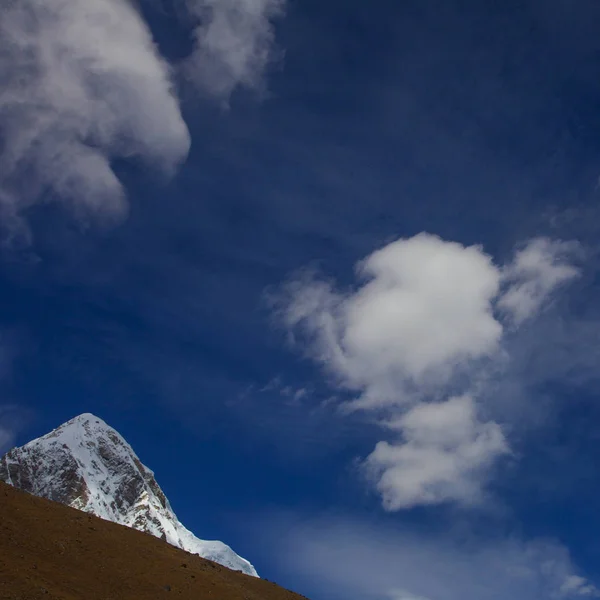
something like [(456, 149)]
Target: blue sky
[(330, 268)]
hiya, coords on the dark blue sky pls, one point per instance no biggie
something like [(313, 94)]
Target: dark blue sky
[(473, 120)]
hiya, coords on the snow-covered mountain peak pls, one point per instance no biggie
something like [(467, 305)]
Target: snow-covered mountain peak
[(88, 465)]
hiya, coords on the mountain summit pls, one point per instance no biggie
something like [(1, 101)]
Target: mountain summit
[(87, 465)]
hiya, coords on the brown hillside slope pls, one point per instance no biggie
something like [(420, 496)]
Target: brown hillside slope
[(53, 552)]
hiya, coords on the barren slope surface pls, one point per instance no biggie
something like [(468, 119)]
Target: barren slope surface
[(53, 552)]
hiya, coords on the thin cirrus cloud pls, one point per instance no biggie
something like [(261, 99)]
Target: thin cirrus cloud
[(352, 559), (414, 344), (83, 84)]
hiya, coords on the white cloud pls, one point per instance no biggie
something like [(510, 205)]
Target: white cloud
[(442, 455), (345, 558), (82, 85), (234, 43), (535, 272), (414, 342), (424, 309)]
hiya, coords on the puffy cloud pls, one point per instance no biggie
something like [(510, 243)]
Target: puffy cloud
[(82, 85), (442, 455), (234, 43), (424, 309), (419, 286), (415, 342)]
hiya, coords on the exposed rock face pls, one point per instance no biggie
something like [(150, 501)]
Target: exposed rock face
[(87, 465)]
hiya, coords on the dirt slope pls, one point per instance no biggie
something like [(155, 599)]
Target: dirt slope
[(51, 552)]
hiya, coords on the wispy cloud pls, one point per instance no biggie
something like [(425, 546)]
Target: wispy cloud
[(415, 344), (536, 271), (7, 437), (234, 43), (82, 85), (575, 585), (353, 559)]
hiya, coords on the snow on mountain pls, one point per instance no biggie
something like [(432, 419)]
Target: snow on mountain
[(86, 464)]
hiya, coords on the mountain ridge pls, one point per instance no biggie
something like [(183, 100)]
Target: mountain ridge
[(88, 465)]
